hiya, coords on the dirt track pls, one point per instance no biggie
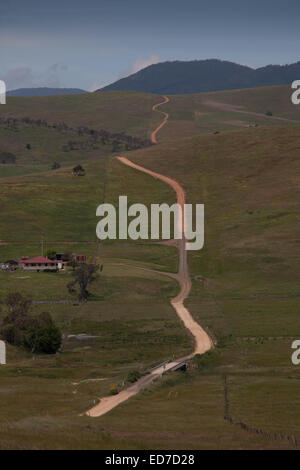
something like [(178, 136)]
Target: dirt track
[(202, 340), (240, 110), (154, 108)]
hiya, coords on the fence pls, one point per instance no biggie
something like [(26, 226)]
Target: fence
[(251, 429)]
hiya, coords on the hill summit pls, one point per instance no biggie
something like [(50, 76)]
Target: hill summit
[(199, 76)]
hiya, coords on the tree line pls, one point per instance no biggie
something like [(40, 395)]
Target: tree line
[(119, 141)]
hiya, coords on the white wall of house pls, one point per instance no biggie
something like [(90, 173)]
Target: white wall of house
[(40, 267)]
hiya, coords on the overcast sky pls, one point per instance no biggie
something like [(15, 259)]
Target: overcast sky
[(88, 44)]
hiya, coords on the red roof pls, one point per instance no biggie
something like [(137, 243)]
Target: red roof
[(39, 260)]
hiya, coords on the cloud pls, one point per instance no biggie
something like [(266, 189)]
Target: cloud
[(98, 85), (141, 63), (51, 77), (20, 77), (248, 65), (25, 77)]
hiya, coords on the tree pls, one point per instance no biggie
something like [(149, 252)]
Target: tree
[(51, 254), (84, 275), (39, 334), (43, 336), (17, 304), (73, 262), (78, 170), (55, 166)]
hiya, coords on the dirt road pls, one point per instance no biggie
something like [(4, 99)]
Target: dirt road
[(154, 108), (201, 339), (240, 110)]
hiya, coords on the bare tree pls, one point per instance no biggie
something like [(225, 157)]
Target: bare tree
[(84, 275)]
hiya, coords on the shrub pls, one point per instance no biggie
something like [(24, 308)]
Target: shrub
[(51, 254), (133, 376), (78, 170), (44, 336), (6, 157), (209, 359)]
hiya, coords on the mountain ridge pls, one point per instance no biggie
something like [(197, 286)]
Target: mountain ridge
[(199, 76), (44, 91)]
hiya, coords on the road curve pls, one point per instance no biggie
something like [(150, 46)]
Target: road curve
[(201, 339), (166, 117)]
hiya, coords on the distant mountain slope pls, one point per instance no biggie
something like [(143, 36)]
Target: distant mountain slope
[(43, 91), (204, 76)]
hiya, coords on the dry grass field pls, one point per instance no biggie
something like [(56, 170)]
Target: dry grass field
[(245, 282)]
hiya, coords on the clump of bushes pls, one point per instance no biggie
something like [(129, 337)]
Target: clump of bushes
[(78, 170), (209, 359), (6, 157), (38, 334), (133, 376)]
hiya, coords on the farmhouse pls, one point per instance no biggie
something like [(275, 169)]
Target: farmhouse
[(39, 263)]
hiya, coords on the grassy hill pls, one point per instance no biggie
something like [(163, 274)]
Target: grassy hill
[(245, 291), (228, 110), (115, 112), (245, 280)]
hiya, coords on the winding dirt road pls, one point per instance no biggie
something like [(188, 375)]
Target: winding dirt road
[(154, 108), (240, 110), (201, 339)]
